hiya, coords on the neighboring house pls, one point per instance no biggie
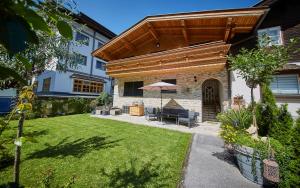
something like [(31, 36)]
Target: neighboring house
[(7, 97), (281, 24), (187, 49), (89, 78)]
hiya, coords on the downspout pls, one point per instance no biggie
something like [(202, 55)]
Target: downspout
[(92, 59)]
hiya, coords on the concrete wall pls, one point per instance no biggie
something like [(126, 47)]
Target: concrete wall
[(189, 93)]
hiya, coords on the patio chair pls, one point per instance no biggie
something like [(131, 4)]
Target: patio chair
[(151, 113), (188, 119)]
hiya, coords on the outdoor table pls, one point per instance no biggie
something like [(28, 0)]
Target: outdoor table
[(169, 115)]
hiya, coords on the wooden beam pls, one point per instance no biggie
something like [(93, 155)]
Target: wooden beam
[(228, 29), (245, 27), (153, 32), (184, 32), (105, 55), (162, 65), (177, 69), (128, 45)]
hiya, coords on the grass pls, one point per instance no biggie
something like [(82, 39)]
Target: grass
[(99, 153)]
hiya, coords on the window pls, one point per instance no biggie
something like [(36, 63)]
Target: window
[(46, 85), (132, 88), (82, 38), (100, 44), (170, 81), (100, 65), (87, 86), (80, 59), (274, 33), (285, 84)]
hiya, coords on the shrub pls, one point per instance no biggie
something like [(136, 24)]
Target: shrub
[(281, 130), (228, 133), (78, 105), (103, 99), (240, 119), (266, 112), (294, 165)]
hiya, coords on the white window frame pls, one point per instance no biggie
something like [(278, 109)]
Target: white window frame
[(270, 29), (283, 93), (86, 43)]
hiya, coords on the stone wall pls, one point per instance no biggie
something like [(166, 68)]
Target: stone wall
[(189, 93)]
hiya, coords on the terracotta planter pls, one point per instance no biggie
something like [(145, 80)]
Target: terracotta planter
[(252, 170)]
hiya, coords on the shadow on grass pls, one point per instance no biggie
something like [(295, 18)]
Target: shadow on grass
[(138, 175), (36, 133), (76, 148)]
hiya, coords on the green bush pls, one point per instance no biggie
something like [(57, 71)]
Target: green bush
[(266, 112), (240, 119), (78, 105), (104, 99), (294, 165), (281, 130), (54, 107)]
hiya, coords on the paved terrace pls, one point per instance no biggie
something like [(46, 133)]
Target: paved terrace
[(208, 165), (207, 128)]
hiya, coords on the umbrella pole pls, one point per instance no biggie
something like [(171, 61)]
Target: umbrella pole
[(161, 110)]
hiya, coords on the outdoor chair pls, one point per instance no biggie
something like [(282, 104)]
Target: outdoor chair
[(151, 113), (188, 119)]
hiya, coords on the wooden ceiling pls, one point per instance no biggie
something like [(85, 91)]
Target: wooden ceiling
[(165, 32), (203, 57)]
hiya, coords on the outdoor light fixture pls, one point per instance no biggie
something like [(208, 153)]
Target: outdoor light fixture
[(195, 78), (157, 45)]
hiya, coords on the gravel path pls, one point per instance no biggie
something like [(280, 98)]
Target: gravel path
[(210, 167)]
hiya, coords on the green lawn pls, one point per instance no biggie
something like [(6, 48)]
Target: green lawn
[(100, 153)]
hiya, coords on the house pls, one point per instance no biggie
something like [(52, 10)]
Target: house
[(88, 79), (282, 23), (187, 49), (190, 50)]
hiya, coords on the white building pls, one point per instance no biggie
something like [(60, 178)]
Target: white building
[(88, 79)]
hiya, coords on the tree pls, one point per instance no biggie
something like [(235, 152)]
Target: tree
[(27, 52), (256, 66), (21, 23)]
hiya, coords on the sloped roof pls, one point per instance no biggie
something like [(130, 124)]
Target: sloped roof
[(170, 31)]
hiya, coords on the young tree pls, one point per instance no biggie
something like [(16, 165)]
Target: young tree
[(30, 51), (256, 66)]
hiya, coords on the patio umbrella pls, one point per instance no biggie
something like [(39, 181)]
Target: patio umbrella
[(158, 86)]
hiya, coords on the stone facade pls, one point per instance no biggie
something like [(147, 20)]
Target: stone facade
[(188, 96)]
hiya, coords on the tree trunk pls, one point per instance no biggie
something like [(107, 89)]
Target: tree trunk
[(18, 152), (254, 123)]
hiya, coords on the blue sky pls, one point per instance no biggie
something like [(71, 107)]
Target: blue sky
[(119, 15)]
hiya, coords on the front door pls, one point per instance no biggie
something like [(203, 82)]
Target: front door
[(210, 92), (210, 100)]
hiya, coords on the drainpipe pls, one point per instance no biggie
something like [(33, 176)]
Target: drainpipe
[(229, 86), (92, 59)]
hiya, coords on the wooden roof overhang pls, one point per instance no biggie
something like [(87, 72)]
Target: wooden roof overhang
[(165, 32), (203, 57)]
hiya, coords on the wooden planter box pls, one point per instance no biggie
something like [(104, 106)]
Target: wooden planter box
[(136, 110)]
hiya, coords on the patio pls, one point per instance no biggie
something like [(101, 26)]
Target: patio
[(207, 128)]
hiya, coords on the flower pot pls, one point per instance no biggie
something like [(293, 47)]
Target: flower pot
[(252, 170)]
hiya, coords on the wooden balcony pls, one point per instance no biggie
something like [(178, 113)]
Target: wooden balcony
[(203, 57)]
